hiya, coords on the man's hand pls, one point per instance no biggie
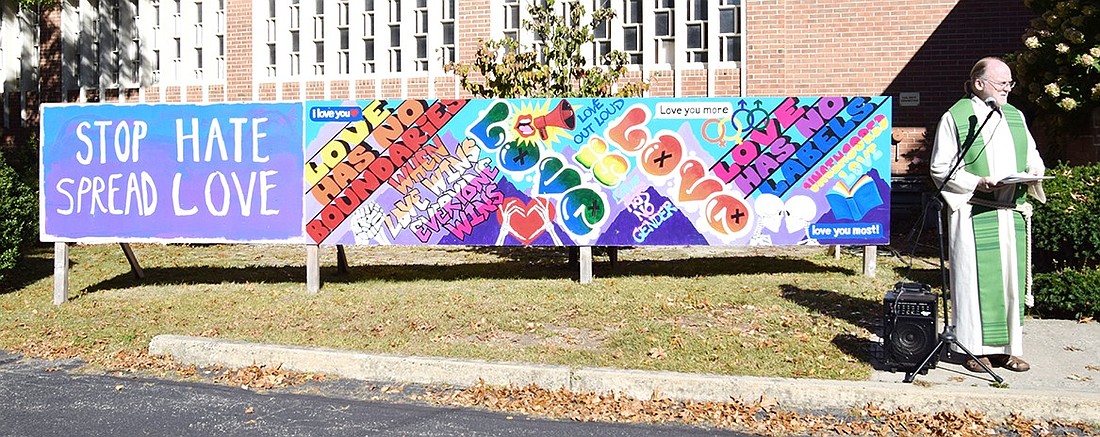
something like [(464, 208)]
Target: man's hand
[(986, 185)]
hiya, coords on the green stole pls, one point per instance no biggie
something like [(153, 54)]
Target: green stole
[(987, 244)]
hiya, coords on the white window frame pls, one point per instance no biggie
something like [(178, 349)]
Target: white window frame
[(448, 28), (677, 56), (719, 52), (369, 37), (421, 60), (366, 28), (343, 37), (18, 49)]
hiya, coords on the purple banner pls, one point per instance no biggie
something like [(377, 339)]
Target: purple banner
[(172, 172)]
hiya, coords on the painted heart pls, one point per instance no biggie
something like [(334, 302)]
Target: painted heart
[(488, 129), (555, 178), (727, 214), (694, 185), (629, 131), (583, 210), (519, 156), (526, 221), (661, 157)]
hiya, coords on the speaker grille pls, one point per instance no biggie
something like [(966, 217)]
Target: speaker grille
[(909, 326)]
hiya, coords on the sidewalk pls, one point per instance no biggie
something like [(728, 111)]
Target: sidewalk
[(1063, 383)]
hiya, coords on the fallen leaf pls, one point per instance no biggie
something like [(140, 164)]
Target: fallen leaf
[(767, 403), (249, 410)]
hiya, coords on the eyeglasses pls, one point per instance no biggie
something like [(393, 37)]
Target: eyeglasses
[(1003, 86)]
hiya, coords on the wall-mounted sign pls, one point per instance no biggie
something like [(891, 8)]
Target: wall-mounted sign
[(909, 99)]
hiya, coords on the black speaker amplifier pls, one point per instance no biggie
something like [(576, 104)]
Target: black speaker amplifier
[(909, 327), (909, 299)]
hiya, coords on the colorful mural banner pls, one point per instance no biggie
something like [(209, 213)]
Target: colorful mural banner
[(171, 172), (560, 172), (583, 171)]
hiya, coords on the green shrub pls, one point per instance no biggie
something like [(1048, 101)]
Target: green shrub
[(1070, 293), (1066, 230), (18, 214)]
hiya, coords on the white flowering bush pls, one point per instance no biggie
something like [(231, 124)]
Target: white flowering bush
[(1059, 67)]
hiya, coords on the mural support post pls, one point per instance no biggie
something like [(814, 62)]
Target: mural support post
[(313, 269), (341, 260), (134, 266), (586, 264), (60, 272), (870, 260)]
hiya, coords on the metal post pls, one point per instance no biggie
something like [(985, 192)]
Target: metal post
[(313, 269), (60, 273), (586, 264)]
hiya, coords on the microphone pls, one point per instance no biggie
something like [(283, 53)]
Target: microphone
[(971, 136), (991, 102)]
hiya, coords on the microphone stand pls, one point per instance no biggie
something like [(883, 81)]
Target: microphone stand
[(948, 337)]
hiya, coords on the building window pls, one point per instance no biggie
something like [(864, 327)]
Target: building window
[(369, 38), (319, 38), (219, 40), (295, 54), (156, 40), (697, 31), (632, 30), (729, 30), (420, 35), (395, 35), (511, 19), (343, 21), (448, 22), (177, 43), (127, 44), (197, 41), (271, 66), (348, 38), (664, 36), (601, 35), (18, 52)]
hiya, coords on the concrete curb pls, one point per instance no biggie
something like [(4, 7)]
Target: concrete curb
[(837, 397)]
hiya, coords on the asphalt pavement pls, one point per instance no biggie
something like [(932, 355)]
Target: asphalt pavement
[(53, 398), (1063, 383)]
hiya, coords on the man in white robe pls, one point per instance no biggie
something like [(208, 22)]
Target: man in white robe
[(979, 142)]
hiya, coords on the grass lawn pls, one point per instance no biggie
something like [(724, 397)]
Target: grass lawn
[(779, 311)]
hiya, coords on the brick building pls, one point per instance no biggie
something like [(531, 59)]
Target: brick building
[(233, 50)]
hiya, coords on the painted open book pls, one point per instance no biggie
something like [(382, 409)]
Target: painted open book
[(854, 202)]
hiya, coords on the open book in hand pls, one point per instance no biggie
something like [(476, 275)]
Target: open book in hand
[(1017, 178)]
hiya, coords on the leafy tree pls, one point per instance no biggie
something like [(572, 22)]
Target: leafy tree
[(556, 67), (45, 4), (1059, 67)]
